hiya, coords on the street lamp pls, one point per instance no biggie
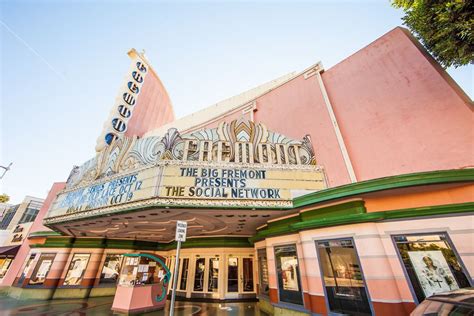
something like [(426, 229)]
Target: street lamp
[(5, 169)]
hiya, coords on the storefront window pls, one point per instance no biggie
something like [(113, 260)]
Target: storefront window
[(111, 269), (263, 272), (199, 275), (184, 274), (140, 271), (431, 264), (5, 263), (76, 270), (213, 275), (345, 287), (233, 275), (26, 269), (288, 273), (42, 268)]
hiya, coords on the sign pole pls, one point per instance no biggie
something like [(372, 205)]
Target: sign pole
[(175, 278), (181, 227)]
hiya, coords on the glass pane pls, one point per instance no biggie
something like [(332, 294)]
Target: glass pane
[(111, 269), (4, 265), (342, 275), (184, 274), (173, 263), (41, 269), (199, 275), (77, 269), (431, 264), (263, 272), (288, 274), (248, 274), (213, 275), (233, 275), (26, 269), (141, 270)]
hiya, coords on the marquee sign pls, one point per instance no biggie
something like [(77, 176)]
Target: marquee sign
[(236, 164)]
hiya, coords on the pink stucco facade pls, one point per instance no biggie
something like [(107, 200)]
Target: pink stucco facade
[(397, 110), (153, 108), (398, 113)]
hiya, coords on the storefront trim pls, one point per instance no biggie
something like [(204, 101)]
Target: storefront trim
[(210, 242), (353, 214), (399, 181)]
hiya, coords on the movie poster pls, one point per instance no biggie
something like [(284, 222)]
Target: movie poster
[(41, 269), (288, 273), (432, 271), (76, 269)]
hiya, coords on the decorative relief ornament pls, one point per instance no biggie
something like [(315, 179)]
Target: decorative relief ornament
[(240, 141)]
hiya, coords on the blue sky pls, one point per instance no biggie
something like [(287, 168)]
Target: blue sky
[(62, 63)]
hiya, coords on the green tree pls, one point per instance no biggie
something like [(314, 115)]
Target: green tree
[(4, 198), (445, 27)]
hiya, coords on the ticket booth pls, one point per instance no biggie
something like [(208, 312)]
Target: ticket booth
[(142, 284)]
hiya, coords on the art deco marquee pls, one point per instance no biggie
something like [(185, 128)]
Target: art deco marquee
[(237, 164)]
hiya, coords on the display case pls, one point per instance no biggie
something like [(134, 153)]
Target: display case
[(142, 284)]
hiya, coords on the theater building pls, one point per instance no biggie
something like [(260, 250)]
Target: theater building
[(345, 190)]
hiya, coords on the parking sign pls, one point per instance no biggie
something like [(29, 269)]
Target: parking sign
[(181, 227)]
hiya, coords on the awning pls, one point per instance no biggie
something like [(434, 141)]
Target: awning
[(9, 250)]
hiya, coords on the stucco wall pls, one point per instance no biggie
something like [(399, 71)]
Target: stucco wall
[(153, 108), (398, 111)]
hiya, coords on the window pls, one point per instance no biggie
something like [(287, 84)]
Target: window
[(8, 216), (42, 268), (184, 274), (213, 275), (288, 274), (199, 275), (5, 263), (345, 288), (26, 269), (263, 272), (29, 215), (142, 270), (431, 264), (77, 268), (111, 269)]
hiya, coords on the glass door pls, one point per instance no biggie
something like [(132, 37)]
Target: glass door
[(247, 275), (233, 275), (240, 276), (206, 277)]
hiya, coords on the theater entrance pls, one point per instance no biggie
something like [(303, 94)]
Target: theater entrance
[(215, 275)]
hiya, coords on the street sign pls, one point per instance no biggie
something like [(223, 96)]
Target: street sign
[(181, 227)]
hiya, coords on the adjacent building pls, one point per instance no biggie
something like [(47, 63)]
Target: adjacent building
[(346, 190), (15, 224)]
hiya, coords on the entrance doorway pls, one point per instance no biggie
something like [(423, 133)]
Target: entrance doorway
[(240, 277), (228, 274)]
